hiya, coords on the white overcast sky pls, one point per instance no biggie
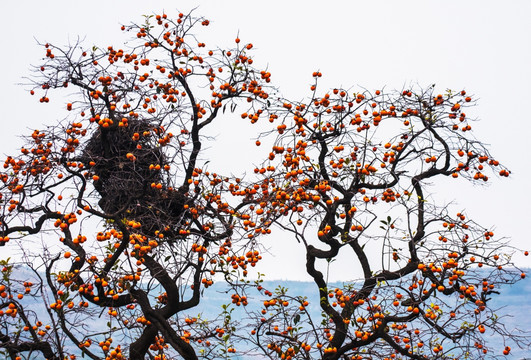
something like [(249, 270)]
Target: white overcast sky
[(481, 46)]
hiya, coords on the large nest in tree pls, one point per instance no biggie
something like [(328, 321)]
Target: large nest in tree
[(124, 164)]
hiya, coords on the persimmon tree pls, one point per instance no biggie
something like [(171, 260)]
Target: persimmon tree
[(133, 225), (123, 227), (354, 179)]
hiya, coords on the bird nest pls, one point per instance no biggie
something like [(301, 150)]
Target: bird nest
[(125, 161)]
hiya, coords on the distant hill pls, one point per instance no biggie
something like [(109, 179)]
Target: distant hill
[(513, 306)]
